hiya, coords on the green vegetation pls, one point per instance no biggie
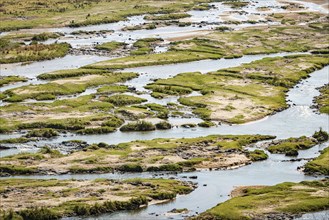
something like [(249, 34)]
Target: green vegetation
[(229, 45), (161, 111), (4, 80), (257, 155), (46, 133), (240, 94), (319, 165), (152, 59), (70, 114), (163, 125), (291, 146), (44, 36), (16, 170), (321, 135), (70, 73), (67, 86), (236, 4), (137, 156), (81, 13), (202, 7), (15, 52), (99, 196), (322, 101), (206, 124), (112, 89), (138, 126), (121, 99), (15, 140), (263, 201), (145, 46), (293, 18), (110, 46)]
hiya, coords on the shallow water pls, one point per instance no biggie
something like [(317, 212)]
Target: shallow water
[(34, 69), (295, 121)]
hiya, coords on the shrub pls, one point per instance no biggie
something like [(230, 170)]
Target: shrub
[(321, 136), (166, 167), (163, 125), (39, 214), (130, 168), (138, 126), (206, 124), (46, 133)]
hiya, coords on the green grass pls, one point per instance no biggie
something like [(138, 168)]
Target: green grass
[(139, 156), (152, 59), (163, 125), (112, 89), (236, 4), (291, 146), (59, 13), (138, 126), (257, 155), (67, 86), (322, 101), (46, 133), (70, 73), (91, 112), (94, 203), (264, 84), (288, 198), (319, 165), (144, 46), (14, 52), (121, 100), (110, 46), (4, 80)]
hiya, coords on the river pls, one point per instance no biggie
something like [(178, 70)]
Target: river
[(214, 186)]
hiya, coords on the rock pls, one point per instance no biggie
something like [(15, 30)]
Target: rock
[(193, 177)]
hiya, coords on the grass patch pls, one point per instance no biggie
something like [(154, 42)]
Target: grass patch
[(138, 126), (291, 146), (121, 100), (322, 101), (285, 198), (14, 52), (4, 80), (319, 165), (110, 46)]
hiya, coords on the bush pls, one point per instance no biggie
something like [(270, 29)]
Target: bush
[(257, 155), (100, 130), (321, 136), (163, 125), (130, 168), (46, 133), (166, 167), (138, 126), (163, 195), (39, 214), (206, 124), (121, 100)]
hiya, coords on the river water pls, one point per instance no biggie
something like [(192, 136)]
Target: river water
[(214, 186)]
